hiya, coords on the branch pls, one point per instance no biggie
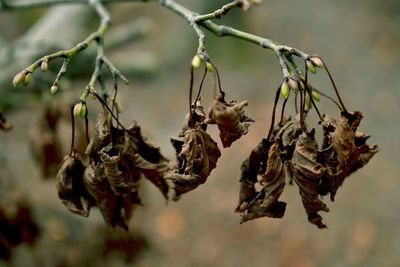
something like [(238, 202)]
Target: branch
[(219, 13), (281, 51), (10, 5)]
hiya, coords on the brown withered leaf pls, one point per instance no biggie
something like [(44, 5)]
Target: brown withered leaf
[(154, 172), (198, 157), (307, 173), (101, 137), (342, 139), (146, 156), (287, 136), (4, 126), (255, 164), (344, 150), (110, 205), (197, 121), (274, 178), (70, 187), (275, 210), (231, 120), (111, 158), (273, 182)]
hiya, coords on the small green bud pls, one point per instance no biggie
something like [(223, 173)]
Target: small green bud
[(54, 89), (285, 90), (80, 110), (27, 79), (293, 84), (196, 61), (311, 67), (317, 62), (19, 78), (316, 96), (44, 66), (209, 67)]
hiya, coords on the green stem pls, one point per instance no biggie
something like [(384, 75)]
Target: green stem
[(219, 13)]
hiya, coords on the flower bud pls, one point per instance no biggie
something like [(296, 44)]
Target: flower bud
[(311, 67), (44, 66), (19, 78), (316, 96), (27, 79), (80, 110), (293, 83), (285, 90), (209, 67), (196, 62), (54, 89), (317, 62)]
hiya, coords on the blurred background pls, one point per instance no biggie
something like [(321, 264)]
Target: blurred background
[(153, 47)]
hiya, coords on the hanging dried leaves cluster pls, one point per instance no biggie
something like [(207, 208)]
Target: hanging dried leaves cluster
[(293, 154), (197, 153), (118, 160)]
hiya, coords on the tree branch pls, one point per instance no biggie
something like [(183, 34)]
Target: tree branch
[(28, 4)]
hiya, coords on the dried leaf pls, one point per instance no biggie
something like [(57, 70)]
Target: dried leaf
[(230, 118), (111, 158), (307, 174), (146, 156), (250, 168), (109, 204), (198, 158), (154, 172), (101, 137), (256, 162), (70, 187), (275, 210), (4, 126), (287, 136), (344, 150), (266, 202), (342, 140), (274, 178)]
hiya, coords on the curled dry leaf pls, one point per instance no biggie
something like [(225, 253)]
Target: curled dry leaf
[(307, 174), (256, 164), (4, 126), (250, 168), (70, 187), (344, 150), (230, 118), (146, 157), (101, 137), (273, 182), (197, 158), (111, 158), (110, 205)]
